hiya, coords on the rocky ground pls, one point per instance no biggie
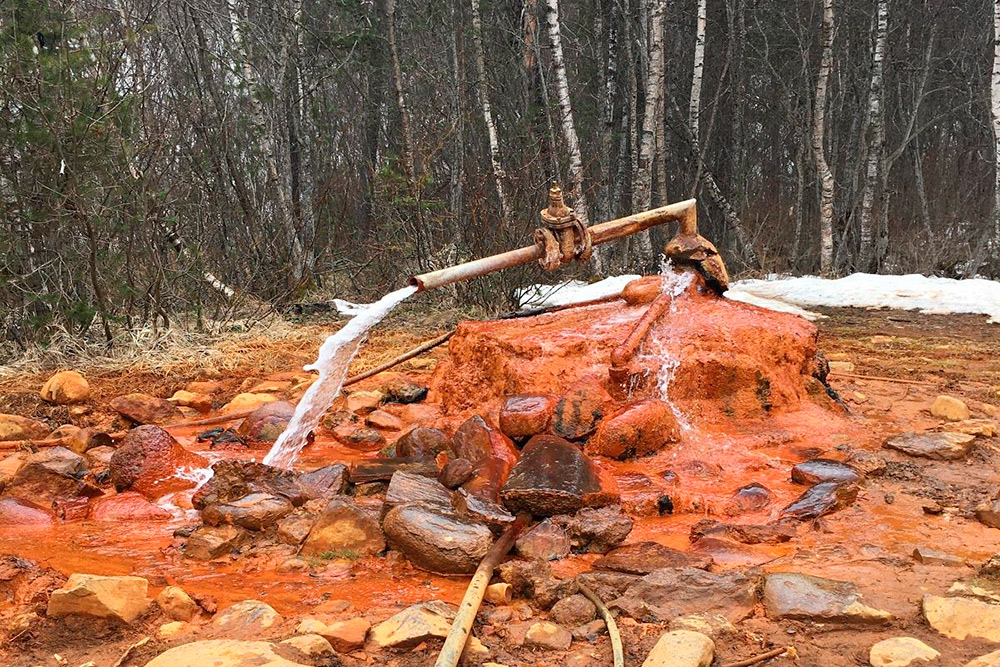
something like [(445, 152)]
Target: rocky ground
[(863, 539)]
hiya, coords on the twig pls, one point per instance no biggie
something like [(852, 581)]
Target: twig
[(420, 349), (879, 378), (790, 650), (617, 653), (208, 421)]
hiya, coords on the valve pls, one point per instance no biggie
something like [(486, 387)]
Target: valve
[(563, 237)]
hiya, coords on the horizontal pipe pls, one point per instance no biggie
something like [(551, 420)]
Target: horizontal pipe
[(684, 211)]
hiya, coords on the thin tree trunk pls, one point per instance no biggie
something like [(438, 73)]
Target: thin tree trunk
[(995, 109), (458, 150), (876, 148), (642, 188), (608, 112), (491, 128), (819, 149), (918, 170), (694, 105)]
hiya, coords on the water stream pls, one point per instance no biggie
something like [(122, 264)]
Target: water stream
[(334, 359)]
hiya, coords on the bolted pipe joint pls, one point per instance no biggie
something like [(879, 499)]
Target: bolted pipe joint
[(562, 238)]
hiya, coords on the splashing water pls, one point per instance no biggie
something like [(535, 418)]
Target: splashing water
[(674, 284), (334, 358)]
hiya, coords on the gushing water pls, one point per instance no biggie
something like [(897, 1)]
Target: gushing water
[(674, 284), (334, 358)]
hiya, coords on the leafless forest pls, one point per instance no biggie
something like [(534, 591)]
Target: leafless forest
[(160, 157)]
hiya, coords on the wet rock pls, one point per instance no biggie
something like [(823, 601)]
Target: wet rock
[(713, 625), (177, 604), (665, 594), (480, 510), (776, 532), (456, 472), (406, 487), (255, 511), (50, 475), (643, 290), (900, 652), (189, 399), (551, 477), (598, 530), (929, 556), (637, 429), (232, 480), (14, 427), (573, 610), (645, 557), (65, 387), (790, 595), (681, 648), (942, 446), (222, 653), (578, 412), (534, 580), (490, 451), (324, 483), (211, 542), (960, 618), (820, 500), (400, 389), (25, 585), (547, 541), (988, 660), (436, 539), (59, 460), (145, 409), (414, 625), (384, 421), (17, 512), (247, 618), (123, 598), (248, 402), (127, 506), (344, 636), (363, 402), (343, 527), (422, 441), (548, 636), (950, 408), (473, 440), (148, 460), (815, 471), (525, 415), (359, 438), (311, 646), (266, 423)]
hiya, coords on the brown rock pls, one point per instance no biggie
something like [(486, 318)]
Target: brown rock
[(942, 446), (573, 611), (525, 415), (148, 460), (400, 389), (188, 399), (65, 387), (815, 471), (50, 475), (551, 477), (344, 527), (775, 532), (456, 472), (177, 604), (821, 499), (325, 482), (347, 636), (950, 408), (17, 512), (548, 636), (256, 511), (577, 413), (598, 530), (127, 506), (266, 423), (406, 487), (361, 439), (248, 402), (636, 430), (383, 420), (211, 542), (798, 596), (422, 441), (547, 541), (414, 625), (14, 427), (123, 598), (436, 539), (247, 619), (643, 290), (145, 409), (750, 498), (363, 402), (294, 528), (645, 557), (665, 594), (204, 386), (232, 479)]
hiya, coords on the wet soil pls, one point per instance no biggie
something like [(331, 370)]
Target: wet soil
[(901, 361)]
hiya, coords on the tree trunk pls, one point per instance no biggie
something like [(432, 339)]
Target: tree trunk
[(458, 150), (876, 145), (995, 108), (642, 188), (694, 105), (819, 149), (608, 113)]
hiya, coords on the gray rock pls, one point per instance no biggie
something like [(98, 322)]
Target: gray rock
[(598, 530), (573, 610), (820, 500), (551, 477), (325, 482), (436, 539), (645, 557), (247, 618), (547, 540), (665, 594), (815, 471), (806, 598), (407, 487), (256, 511), (211, 542), (414, 625), (941, 445)]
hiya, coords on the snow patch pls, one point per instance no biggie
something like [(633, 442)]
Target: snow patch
[(571, 291)]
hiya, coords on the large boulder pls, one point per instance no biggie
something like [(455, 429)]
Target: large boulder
[(344, 528), (437, 539), (637, 429), (256, 511), (145, 409), (414, 625), (266, 423), (222, 653), (211, 542), (552, 477), (580, 409), (65, 387), (150, 461), (525, 415), (15, 427), (50, 475), (790, 595), (665, 594), (127, 506), (123, 598), (940, 445), (232, 480)]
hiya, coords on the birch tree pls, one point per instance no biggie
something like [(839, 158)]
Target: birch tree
[(876, 145), (823, 171), (642, 188), (995, 107), (694, 105)]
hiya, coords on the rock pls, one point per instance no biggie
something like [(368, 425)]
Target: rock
[(534, 579), (274, 386), (204, 386), (590, 631), (473, 440), (359, 438), (97, 457), (406, 487), (598, 530), (14, 427), (437, 539), (247, 618), (51, 475), (144, 409), (645, 557), (400, 389), (232, 480), (324, 483), (665, 594), (547, 541), (189, 399), (960, 618), (573, 610), (148, 460), (989, 513), (988, 660), (363, 402), (17, 512), (11, 464), (294, 528), (548, 636), (479, 510), (347, 636), (950, 408), (414, 625), (900, 652), (222, 653), (790, 595), (490, 451), (123, 598), (59, 460), (177, 604), (248, 402), (577, 413), (551, 477), (65, 387), (985, 428), (79, 440), (127, 506), (525, 415), (256, 511), (293, 564), (637, 429), (456, 472), (211, 542), (776, 532), (312, 646), (173, 630), (643, 290), (820, 500), (266, 423), (930, 556), (942, 446), (815, 471), (422, 441), (681, 648), (713, 625), (384, 421), (344, 528)]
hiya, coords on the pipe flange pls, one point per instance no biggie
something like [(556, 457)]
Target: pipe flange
[(551, 258)]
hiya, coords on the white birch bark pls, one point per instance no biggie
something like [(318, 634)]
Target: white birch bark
[(642, 188), (818, 143), (694, 105), (876, 149), (995, 108)]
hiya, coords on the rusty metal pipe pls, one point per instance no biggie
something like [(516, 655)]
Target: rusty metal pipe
[(684, 211)]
